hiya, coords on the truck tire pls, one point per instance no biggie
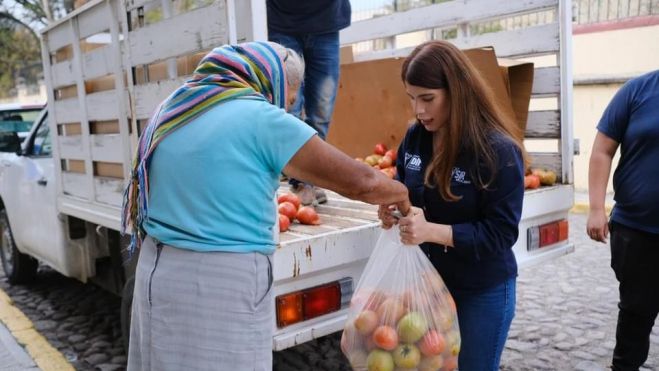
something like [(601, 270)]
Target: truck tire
[(18, 267), (126, 307)]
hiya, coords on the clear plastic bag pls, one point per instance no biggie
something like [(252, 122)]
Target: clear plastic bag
[(401, 315)]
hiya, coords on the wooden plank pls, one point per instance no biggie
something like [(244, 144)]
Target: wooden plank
[(148, 96), (547, 160), (199, 29), (524, 42), (106, 147), (544, 125), (94, 20), (351, 213), (97, 63), (62, 74), (67, 110), (102, 106), (109, 191), (58, 37), (438, 16), (75, 184), (529, 41), (71, 147), (546, 81)]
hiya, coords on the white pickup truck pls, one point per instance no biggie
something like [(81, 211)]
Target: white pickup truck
[(110, 62)]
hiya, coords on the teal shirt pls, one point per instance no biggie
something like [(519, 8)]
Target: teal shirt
[(213, 181)]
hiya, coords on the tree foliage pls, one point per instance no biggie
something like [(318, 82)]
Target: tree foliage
[(20, 55)]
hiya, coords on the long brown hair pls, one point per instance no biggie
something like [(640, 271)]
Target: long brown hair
[(473, 118)]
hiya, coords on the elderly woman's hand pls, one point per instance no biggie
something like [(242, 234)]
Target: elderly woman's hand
[(386, 216)]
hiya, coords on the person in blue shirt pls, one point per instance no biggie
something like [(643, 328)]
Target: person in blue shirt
[(201, 200), (631, 122), (311, 28), (464, 169)]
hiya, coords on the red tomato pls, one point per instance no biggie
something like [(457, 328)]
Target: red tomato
[(380, 149), (284, 223), (385, 162), (292, 198), (288, 209), (385, 337), (308, 215), (391, 153), (432, 343)]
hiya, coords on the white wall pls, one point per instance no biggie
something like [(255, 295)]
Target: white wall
[(602, 55)]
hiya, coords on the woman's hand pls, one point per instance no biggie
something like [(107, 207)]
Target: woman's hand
[(385, 215), (414, 229)]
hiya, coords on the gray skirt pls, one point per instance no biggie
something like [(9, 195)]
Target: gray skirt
[(201, 310)]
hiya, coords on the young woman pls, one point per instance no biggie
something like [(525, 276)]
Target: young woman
[(464, 169)]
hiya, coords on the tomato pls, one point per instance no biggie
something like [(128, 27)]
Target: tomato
[(392, 154), (366, 322), (380, 149), (284, 223), (412, 327), (391, 311), (432, 343), (288, 209), (379, 360), (385, 162), (308, 215), (290, 197), (406, 356), (385, 337), (531, 181)]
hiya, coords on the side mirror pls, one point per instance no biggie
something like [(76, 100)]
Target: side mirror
[(10, 142)]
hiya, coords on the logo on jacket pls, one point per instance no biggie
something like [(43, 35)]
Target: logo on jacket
[(412, 162), (459, 175)]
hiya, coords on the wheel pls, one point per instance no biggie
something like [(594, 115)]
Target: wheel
[(126, 310), (18, 267)]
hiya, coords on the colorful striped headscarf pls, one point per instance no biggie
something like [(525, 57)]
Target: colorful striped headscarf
[(228, 72)]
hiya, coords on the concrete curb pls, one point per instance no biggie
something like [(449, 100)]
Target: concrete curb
[(44, 355)]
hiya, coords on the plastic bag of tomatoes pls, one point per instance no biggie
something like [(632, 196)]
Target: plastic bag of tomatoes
[(401, 315)]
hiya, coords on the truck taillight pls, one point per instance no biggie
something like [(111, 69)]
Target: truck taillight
[(310, 303), (547, 234)]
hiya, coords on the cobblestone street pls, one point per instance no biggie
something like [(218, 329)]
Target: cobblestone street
[(566, 315)]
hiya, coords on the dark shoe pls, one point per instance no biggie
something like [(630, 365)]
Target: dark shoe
[(320, 194), (305, 192)]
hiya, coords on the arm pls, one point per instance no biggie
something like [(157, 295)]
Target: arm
[(599, 169), (322, 164)]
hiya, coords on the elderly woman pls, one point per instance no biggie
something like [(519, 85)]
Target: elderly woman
[(201, 204)]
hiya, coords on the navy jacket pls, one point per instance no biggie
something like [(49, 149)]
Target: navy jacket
[(485, 222), (303, 17)]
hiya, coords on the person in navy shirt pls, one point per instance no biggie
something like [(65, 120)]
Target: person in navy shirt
[(630, 121), (311, 28), (464, 169)]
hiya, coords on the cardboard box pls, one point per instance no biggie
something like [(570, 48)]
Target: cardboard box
[(519, 79), (372, 106)]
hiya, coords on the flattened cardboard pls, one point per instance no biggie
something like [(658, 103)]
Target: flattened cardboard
[(372, 106), (108, 169), (519, 78)]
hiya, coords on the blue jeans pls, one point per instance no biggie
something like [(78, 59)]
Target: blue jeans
[(321, 76), (484, 318)]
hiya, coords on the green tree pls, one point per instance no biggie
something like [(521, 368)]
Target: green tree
[(20, 56)]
